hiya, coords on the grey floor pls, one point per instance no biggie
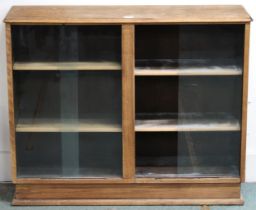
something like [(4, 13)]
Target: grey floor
[(248, 191)]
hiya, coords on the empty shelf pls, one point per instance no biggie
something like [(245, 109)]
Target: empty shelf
[(49, 125), (186, 122), (185, 67), (101, 65), (43, 172), (189, 171), (217, 71)]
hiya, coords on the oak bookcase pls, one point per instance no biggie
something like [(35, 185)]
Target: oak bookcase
[(127, 105)]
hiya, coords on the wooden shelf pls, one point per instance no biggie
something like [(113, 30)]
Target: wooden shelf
[(175, 172), (186, 67), (37, 66), (49, 125), (72, 173), (218, 71), (186, 122)]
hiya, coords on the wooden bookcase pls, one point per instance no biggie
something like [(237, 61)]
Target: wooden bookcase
[(127, 105)]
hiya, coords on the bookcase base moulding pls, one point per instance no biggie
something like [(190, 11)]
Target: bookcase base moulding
[(127, 105), (128, 194)]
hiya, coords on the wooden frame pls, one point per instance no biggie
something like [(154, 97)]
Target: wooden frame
[(128, 101), (126, 190), (245, 99), (126, 202), (10, 100)]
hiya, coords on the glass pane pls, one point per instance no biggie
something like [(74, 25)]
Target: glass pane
[(188, 100), (187, 154), (66, 43), (86, 98), (189, 50), (67, 87), (44, 155)]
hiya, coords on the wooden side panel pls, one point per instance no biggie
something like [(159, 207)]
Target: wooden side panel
[(10, 99), (245, 98), (129, 191), (128, 113)]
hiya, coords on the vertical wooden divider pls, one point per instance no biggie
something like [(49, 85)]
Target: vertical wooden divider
[(244, 102), (128, 104), (11, 101)]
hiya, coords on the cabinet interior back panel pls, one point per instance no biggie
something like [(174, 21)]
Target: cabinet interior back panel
[(47, 43), (184, 46)]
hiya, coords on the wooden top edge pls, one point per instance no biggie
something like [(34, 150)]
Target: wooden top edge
[(127, 14)]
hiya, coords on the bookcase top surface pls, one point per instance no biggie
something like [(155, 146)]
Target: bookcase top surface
[(126, 14)]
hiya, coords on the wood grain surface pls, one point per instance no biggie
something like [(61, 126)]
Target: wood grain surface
[(127, 14)]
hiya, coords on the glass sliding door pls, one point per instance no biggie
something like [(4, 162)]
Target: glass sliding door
[(188, 100), (68, 109)]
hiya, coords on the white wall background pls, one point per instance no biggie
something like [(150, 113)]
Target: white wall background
[(250, 6)]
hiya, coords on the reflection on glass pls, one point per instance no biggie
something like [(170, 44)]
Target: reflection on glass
[(183, 99), (64, 43), (49, 155), (189, 49), (187, 154), (68, 101)]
